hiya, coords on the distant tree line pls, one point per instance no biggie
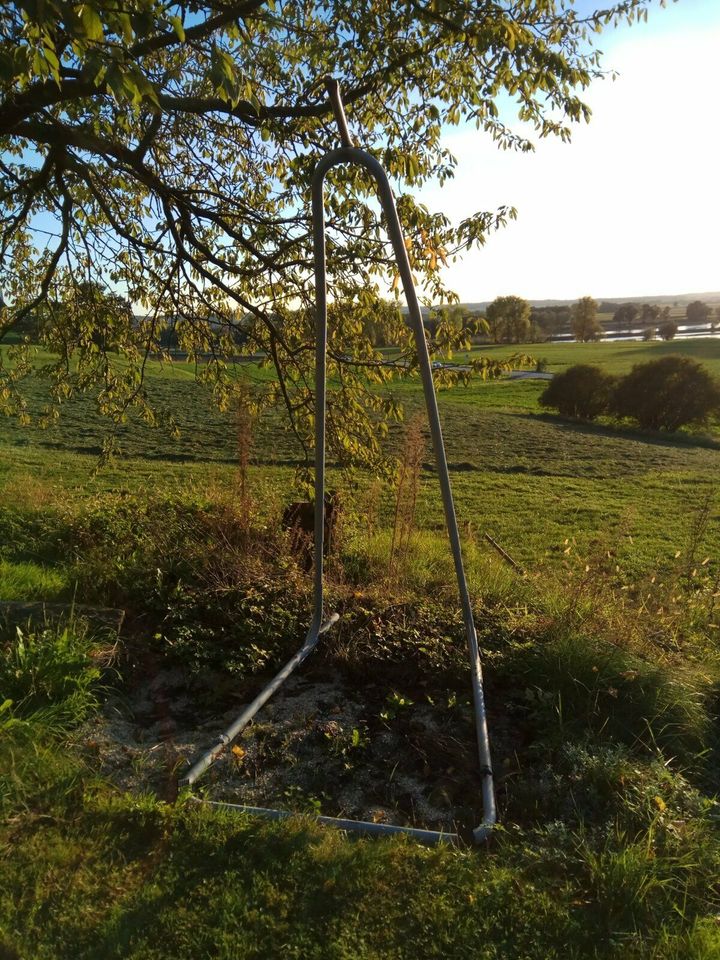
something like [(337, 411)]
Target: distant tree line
[(511, 319), (663, 394), (508, 319)]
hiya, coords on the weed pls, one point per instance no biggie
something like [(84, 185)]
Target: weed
[(297, 799), (408, 479), (50, 674), (244, 450), (345, 743), (395, 704)]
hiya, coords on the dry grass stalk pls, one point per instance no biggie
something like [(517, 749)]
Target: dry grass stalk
[(408, 484), (244, 435)]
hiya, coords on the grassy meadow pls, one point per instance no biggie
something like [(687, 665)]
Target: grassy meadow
[(601, 664)]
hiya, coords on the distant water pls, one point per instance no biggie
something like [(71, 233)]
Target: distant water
[(683, 333)]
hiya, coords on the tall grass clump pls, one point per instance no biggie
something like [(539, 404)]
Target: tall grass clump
[(25, 580), (49, 674), (49, 683), (587, 685)]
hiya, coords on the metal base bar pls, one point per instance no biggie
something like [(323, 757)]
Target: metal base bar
[(429, 837)]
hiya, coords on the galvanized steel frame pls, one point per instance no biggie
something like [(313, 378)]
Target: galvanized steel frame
[(348, 154)]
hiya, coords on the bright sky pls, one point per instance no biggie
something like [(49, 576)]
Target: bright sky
[(632, 206)]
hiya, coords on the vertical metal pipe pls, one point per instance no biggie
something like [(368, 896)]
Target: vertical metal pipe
[(318, 218), (333, 90)]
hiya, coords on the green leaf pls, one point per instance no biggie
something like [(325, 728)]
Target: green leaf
[(91, 22), (177, 26), (52, 59)]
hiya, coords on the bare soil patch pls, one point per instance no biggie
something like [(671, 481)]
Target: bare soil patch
[(328, 742)]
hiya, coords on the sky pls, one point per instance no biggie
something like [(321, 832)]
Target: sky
[(631, 207)]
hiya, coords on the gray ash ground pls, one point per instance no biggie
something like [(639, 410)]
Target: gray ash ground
[(325, 743)]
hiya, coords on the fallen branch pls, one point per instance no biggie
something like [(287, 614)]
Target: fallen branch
[(504, 554)]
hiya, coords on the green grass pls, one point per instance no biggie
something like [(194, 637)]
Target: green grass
[(152, 883), (31, 581), (48, 675), (601, 667), (616, 357), (208, 435), (530, 479)]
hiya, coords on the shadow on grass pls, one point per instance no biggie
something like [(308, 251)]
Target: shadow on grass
[(700, 348), (676, 441)]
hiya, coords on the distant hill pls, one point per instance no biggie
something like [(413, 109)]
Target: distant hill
[(679, 299)]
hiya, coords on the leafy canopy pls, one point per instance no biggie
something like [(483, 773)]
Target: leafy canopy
[(509, 319), (161, 154), (584, 321)]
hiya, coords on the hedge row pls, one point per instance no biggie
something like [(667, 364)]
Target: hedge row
[(663, 394)]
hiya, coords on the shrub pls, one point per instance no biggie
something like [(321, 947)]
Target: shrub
[(581, 391), (667, 394), (239, 630)]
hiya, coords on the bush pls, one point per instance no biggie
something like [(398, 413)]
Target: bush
[(581, 391), (667, 394)]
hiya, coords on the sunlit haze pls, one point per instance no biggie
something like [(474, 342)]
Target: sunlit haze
[(632, 206)]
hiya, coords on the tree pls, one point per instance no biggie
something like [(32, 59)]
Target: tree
[(168, 150), (698, 313), (508, 319), (667, 328), (667, 394), (650, 314), (546, 322), (585, 324), (625, 316), (583, 391)]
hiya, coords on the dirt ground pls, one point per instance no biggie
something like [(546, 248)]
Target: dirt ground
[(326, 743)]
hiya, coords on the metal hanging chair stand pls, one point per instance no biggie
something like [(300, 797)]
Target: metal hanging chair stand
[(349, 154)]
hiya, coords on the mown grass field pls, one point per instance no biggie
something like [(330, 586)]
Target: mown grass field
[(601, 663), (530, 479)]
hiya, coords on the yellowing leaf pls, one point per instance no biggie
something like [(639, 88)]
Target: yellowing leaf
[(660, 804), (177, 26), (238, 751)]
